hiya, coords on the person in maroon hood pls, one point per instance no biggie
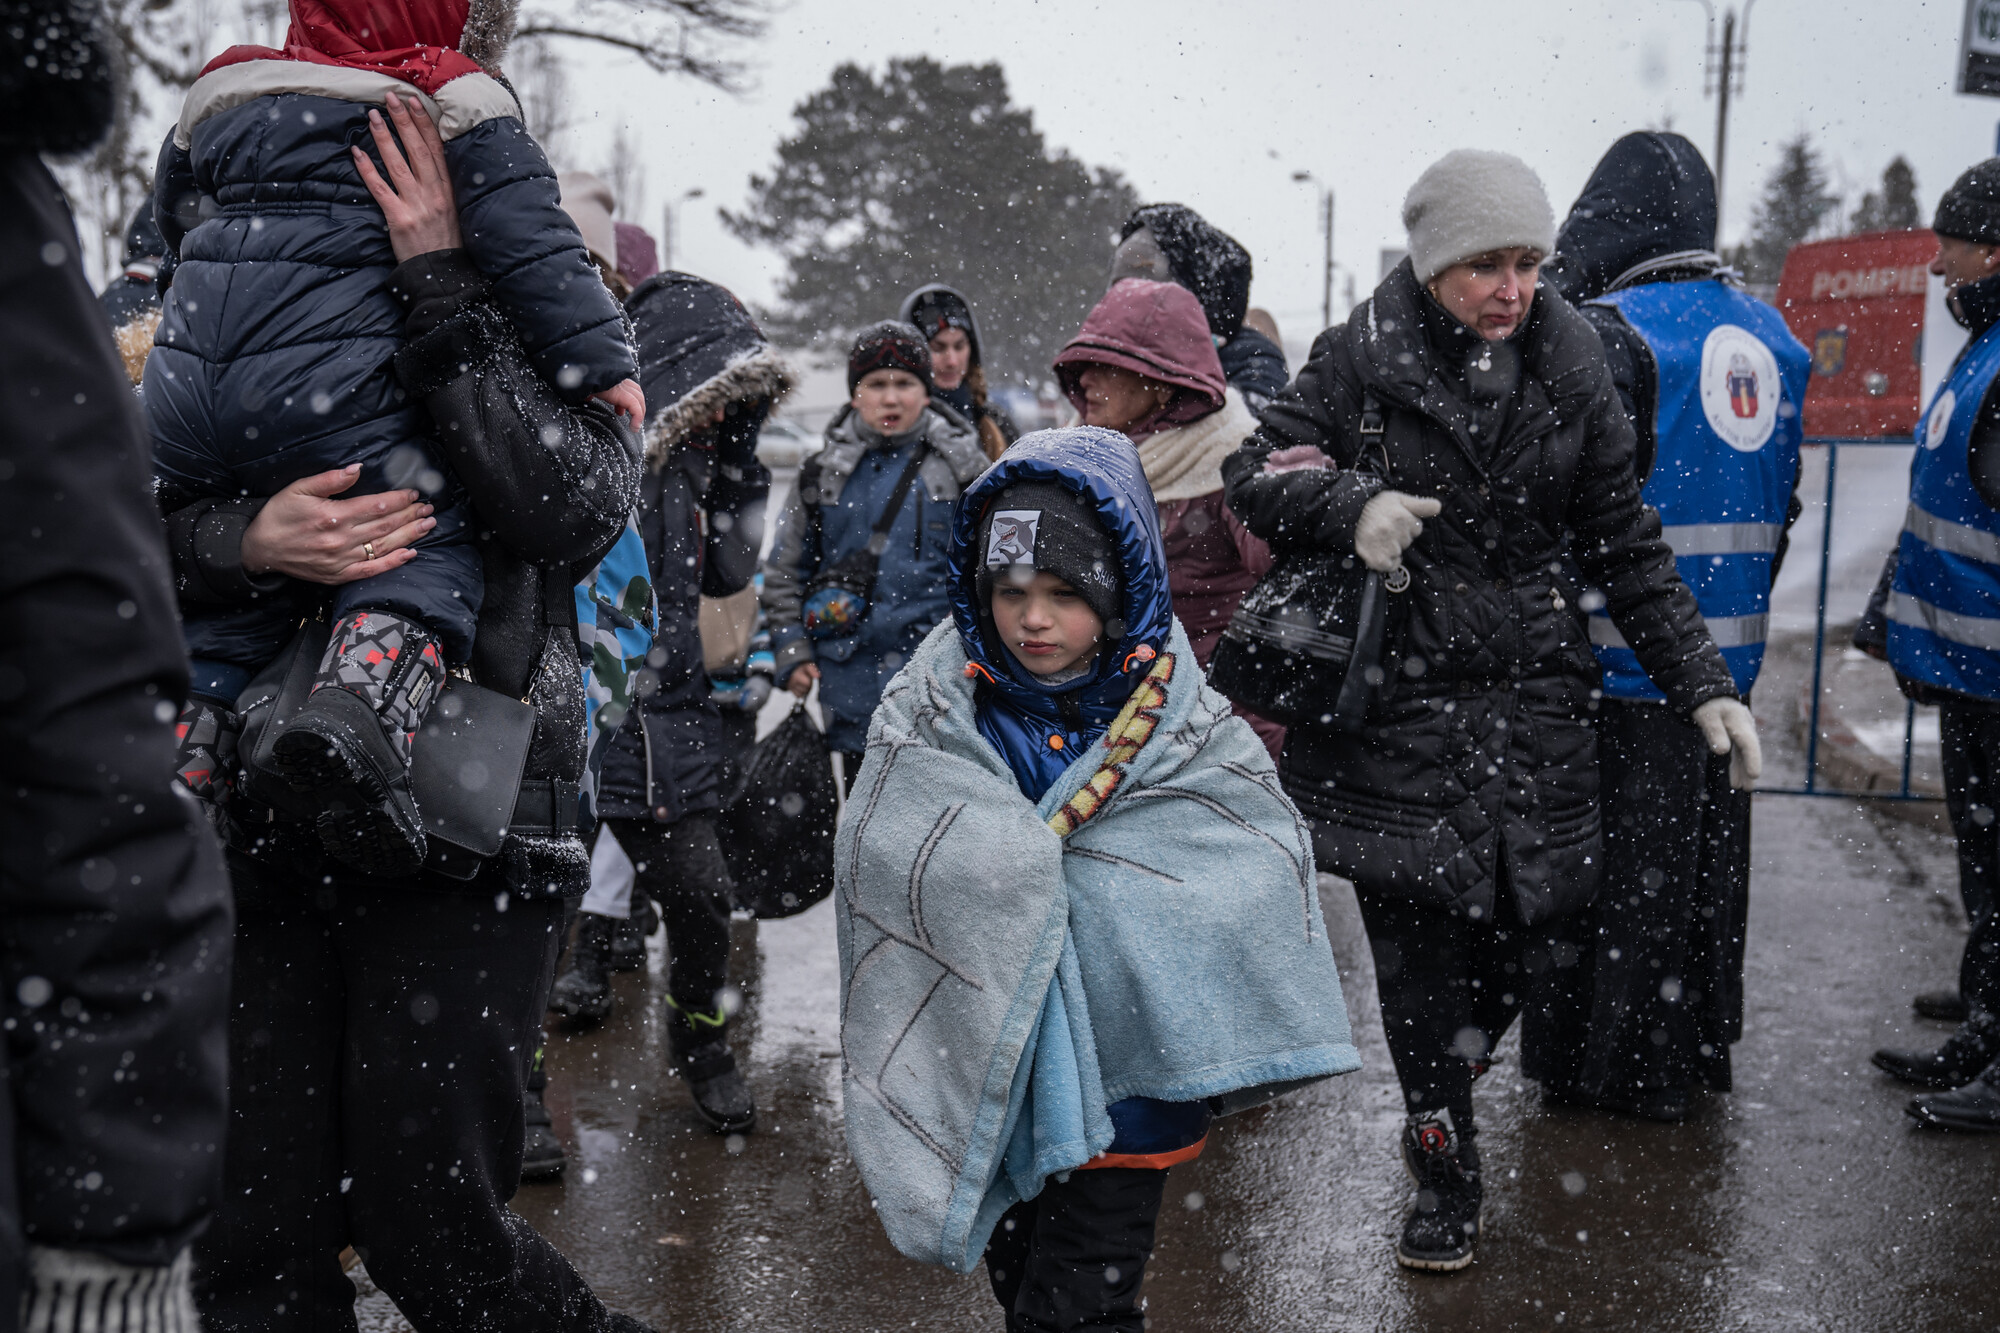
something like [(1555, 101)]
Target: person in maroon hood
[(1144, 364)]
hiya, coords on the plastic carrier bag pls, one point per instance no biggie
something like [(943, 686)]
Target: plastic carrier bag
[(776, 828)]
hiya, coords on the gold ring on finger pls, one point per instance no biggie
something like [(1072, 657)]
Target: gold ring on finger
[(369, 549)]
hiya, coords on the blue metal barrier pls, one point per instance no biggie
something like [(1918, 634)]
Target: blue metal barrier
[(1833, 446)]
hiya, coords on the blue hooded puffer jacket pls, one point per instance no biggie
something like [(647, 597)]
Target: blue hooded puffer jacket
[(272, 361), (1018, 715)]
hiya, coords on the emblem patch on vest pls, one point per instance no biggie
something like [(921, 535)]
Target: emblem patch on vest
[(1740, 392), (1938, 422)]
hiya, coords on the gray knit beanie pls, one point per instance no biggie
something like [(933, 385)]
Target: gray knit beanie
[(1469, 203)]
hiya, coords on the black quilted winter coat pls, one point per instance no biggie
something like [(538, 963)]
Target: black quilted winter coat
[(1480, 759), (274, 357)]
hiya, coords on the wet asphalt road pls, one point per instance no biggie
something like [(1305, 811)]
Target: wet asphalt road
[(1805, 1200)]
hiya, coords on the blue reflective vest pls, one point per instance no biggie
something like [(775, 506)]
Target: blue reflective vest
[(1732, 380), (1944, 607)]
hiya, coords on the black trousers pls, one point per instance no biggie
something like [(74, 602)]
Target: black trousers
[(1657, 998), (680, 867), (380, 1035), (1970, 735), (1451, 986), (1072, 1256)]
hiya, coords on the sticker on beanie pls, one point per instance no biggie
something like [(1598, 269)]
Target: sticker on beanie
[(1011, 540)]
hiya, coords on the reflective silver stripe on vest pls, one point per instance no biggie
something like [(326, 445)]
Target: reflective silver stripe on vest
[(1727, 631), (1955, 626), (1942, 534), (1722, 538)]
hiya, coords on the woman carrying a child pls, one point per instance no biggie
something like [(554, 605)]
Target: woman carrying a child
[(380, 1029), (1462, 427)]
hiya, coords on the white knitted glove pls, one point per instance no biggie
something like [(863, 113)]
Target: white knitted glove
[(1389, 522), (1729, 729)]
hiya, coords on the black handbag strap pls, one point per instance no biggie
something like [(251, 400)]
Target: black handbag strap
[(878, 535), (1374, 430)]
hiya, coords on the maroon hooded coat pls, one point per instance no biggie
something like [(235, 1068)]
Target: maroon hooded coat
[(1158, 330)]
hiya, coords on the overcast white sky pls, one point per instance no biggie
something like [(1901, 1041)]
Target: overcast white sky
[(1216, 104)]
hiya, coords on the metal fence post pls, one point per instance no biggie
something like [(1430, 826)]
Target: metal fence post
[(1819, 617)]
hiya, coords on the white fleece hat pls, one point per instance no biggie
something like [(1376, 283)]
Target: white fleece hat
[(1471, 202), (588, 201)]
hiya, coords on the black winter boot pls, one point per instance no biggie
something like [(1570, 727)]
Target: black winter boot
[(1946, 1006), (542, 1154), (1953, 1065), (629, 936), (1441, 1230), (350, 744), (583, 992), (1976, 1106), (700, 1046)]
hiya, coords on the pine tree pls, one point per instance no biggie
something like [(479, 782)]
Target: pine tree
[(930, 173), (1894, 206), (1797, 199)]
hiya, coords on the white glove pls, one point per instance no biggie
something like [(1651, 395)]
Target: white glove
[(1389, 522), (1729, 729)]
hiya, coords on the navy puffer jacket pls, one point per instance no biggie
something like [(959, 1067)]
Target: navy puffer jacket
[(273, 359)]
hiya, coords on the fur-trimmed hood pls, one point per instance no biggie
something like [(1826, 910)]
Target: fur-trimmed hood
[(699, 353)]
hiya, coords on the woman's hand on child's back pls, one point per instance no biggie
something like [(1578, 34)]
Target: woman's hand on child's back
[(416, 200), (305, 533)]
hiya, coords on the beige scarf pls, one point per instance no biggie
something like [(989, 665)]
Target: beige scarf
[(1186, 461)]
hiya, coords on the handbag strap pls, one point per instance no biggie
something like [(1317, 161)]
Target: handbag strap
[(878, 536), (1374, 429)]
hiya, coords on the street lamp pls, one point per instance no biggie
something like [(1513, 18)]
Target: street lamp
[(1326, 230), (671, 212), (1732, 50)]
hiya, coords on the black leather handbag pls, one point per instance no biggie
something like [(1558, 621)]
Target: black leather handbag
[(465, 764), (1305, 645)]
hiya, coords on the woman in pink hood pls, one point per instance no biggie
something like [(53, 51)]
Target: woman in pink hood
[(1145, 364)]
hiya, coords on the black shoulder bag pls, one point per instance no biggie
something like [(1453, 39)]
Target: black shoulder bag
[(837, 597), (1305, 645), (466, 763)]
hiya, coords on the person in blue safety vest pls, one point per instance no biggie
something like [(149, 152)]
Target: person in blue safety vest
[(1936, 616), (1713, 382)]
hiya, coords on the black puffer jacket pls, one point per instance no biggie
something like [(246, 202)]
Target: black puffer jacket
[(551, 487), (701, 514), (1481, 750), (273, 358)]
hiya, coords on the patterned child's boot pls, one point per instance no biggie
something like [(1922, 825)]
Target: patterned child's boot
[(350, 744)]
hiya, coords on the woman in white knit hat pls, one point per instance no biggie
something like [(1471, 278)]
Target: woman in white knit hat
[(1472, 439)]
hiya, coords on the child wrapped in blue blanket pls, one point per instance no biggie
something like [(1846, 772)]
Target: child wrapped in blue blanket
[(1077, 915)]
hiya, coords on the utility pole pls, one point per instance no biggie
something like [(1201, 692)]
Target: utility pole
[(1326, 286), (671, 216), (1326, 232), (1722, 76)]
